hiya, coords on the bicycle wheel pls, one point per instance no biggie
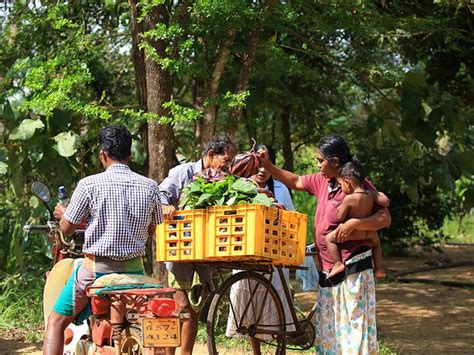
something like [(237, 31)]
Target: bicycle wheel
[(246, 305)]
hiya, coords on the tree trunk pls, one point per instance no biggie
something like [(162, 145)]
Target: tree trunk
[(244, 74), (138, 55), (243, 80), (138, 58), (207, 126), (161, 144), (198, 104), (286, 131)]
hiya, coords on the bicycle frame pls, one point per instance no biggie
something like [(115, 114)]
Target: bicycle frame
[(294, 318), (268, 269)]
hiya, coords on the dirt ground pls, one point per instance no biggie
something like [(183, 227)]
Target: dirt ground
[(413, 318), (428, 318)]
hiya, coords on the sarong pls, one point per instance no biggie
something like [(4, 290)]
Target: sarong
[(345, 315)]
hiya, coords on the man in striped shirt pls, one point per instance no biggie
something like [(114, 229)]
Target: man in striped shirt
[(122, 209)]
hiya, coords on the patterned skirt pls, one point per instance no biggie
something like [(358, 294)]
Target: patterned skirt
[(345, 315)]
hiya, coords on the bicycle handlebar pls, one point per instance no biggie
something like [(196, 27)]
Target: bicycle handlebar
[(37, 228)]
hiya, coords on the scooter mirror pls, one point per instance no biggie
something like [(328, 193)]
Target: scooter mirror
[(41, 191)]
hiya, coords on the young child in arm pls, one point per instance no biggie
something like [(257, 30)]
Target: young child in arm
[(358, 203)]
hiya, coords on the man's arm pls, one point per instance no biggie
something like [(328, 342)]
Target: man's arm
[(76, 212), (173, 184), (151, 229), (171, 187), (157, 212), (65, 226)]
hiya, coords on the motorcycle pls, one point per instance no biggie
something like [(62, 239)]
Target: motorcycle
[(130, 314)]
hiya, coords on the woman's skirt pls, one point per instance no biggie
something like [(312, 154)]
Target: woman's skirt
[(345, 315)]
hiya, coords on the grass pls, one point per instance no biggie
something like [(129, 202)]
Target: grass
[(234, 343), (21, 306), (460, 230), (386, 349)]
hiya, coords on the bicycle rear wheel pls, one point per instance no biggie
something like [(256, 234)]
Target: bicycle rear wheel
[(246, 305)]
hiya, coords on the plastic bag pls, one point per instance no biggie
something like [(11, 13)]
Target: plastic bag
[(308, 278), (247, 164)]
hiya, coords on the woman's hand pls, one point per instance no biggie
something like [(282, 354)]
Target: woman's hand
[(344, 230), (264, 158)]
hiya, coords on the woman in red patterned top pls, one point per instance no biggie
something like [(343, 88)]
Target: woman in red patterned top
[(345, 319)]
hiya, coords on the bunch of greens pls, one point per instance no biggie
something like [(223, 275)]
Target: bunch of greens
[(229, 191)]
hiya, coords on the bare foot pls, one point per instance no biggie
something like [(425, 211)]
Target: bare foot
[(336, 269), (380, 274)]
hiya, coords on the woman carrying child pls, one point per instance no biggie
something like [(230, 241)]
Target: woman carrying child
[(359, 202), (345, 317)]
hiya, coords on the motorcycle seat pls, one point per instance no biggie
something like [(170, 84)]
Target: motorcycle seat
[(123, 279), (128, 283)]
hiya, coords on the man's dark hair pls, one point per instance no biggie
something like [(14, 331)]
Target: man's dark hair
[(352, 170), (116, 141), (218, 144)]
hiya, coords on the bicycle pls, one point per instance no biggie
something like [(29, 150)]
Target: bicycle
[(254, 316)]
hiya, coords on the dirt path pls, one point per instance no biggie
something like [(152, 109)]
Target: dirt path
[(9, 345), (413, 318), (417, 318), (428, 319)]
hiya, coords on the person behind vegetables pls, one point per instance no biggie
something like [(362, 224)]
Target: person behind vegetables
[(189, 277), (240, 291), (345, 314), (358, 202), (264, 180), (122, 209)]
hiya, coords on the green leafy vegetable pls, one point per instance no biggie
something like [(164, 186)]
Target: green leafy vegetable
[(229, 191), (263, 199)]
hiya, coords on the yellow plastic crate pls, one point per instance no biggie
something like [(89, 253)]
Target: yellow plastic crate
[(255, 232), (183, 237)]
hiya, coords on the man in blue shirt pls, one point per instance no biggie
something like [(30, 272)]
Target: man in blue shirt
[(218, 154)]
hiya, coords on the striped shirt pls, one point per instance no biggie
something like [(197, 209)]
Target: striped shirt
[(119, 206)]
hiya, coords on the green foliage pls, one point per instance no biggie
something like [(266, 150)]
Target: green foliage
[(26, 129), (460, 229), (307, 205), (67, 143), (395, 80), (21, 297), (235, 100), (180, 113), (53, 100), (386, 349), (229, 191)]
